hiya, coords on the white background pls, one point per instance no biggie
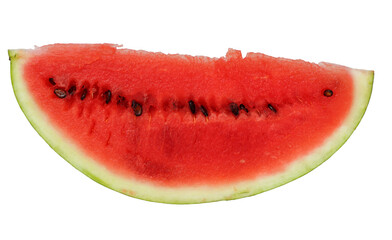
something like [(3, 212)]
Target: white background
[(347, 197)]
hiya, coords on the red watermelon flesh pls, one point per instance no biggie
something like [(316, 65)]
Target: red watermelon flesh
[(174, 122)]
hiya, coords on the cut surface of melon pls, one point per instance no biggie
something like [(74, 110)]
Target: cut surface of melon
[(142, 188)]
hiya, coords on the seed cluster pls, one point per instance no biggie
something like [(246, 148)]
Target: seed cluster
[(138, 109), (107, 96)]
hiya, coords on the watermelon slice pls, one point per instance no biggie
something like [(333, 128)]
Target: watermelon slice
[(187, 129)]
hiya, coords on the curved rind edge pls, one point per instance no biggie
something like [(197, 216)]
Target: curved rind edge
[(363, 82)]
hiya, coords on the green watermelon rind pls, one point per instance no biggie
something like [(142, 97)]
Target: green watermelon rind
[(363, 83)]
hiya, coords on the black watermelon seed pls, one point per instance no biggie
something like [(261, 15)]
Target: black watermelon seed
[(204, 110), (61, 93), (192, 107), (272, 108), (328, 93), (51, 80), (71, 90), (234, 109), (108, 96), (242, 107), (137, 108), (84, 94)]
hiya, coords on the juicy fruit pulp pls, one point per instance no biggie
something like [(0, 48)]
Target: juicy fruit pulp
[(175, 122), (172, 143)]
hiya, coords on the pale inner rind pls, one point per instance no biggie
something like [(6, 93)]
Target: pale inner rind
[(363, 82)]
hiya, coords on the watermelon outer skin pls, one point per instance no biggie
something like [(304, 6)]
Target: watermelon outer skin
[(362, 80)]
